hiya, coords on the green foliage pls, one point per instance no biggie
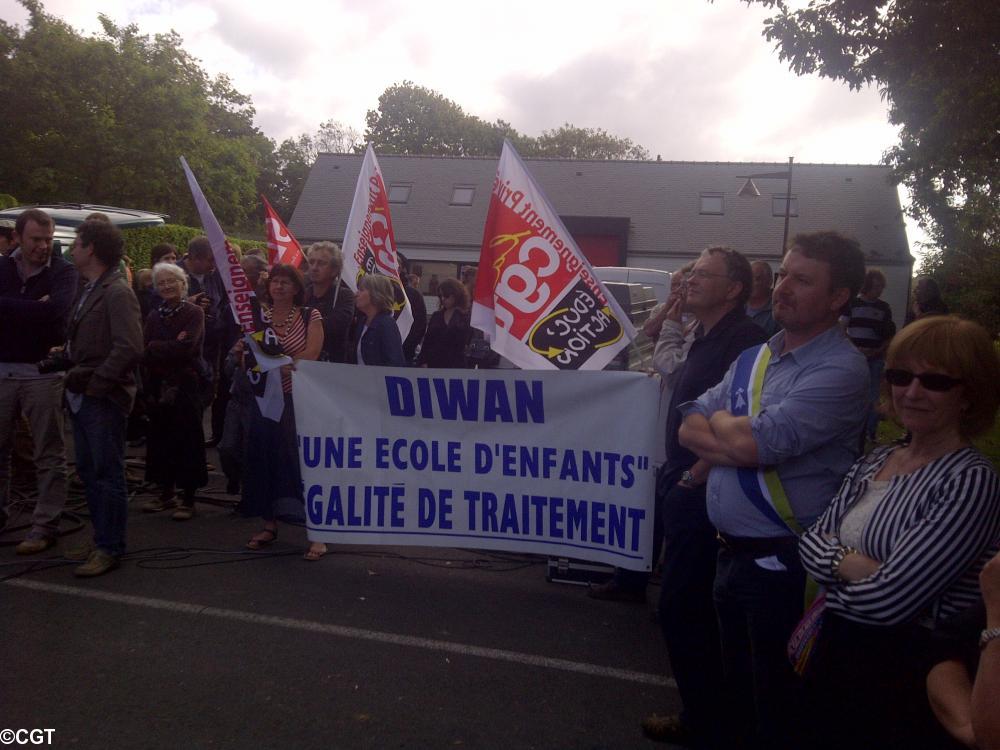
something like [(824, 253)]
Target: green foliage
[(7, 201), (411, 119), (104, 118), (415, 120), (935, 62), (141, 240), (585, 143)]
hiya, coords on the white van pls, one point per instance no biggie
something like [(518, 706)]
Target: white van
[(658, 281)]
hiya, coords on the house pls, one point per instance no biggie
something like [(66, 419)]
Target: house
[(646, 214)]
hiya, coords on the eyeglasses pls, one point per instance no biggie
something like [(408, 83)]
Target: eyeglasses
[(932, 381), (703, 274)]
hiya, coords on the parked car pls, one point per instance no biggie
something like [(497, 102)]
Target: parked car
[(68, 216)]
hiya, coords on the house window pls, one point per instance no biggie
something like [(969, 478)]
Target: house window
[(712, 204), (462, 195), (778, 205), (399, 193)]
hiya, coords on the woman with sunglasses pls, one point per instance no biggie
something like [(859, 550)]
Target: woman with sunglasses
[(900, 548), (448, 330)]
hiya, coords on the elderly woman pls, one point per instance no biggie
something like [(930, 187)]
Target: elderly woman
[(448, 330), (175, 449), (272, 485), (900, 547), (379, 342)]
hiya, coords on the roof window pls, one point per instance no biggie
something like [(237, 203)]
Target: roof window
[(399, 193), (778, 205), (712, 204), (462, 195)]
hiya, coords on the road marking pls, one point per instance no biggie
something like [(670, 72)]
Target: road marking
[(340, 631)]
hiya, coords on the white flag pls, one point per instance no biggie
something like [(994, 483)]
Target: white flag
[(246, 309), (369, 244), (536, 296)]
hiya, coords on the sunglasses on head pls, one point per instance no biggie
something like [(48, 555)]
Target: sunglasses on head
[(932, 381)]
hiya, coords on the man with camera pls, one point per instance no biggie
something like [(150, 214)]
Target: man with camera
[(36, 291), (104, 345), (207, 290)]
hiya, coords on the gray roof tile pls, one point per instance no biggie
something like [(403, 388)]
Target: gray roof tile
[(661, 200)]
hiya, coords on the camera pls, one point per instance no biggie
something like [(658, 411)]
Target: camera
[(58, 362)]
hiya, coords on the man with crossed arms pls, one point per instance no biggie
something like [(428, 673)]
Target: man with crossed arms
[(796, 437)]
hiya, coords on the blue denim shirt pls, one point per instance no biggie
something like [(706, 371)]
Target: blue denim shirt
[(813, 406)]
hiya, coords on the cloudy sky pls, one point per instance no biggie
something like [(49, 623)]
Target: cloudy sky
[(687, 79)]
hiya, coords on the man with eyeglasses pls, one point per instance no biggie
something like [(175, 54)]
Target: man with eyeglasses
[(780, 431), (715, 294)]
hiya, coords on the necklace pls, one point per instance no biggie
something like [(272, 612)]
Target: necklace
[(268, 317)]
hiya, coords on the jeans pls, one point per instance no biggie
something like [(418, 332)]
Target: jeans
[(40, 400), (687, 611), (758, 609), (99, 434)]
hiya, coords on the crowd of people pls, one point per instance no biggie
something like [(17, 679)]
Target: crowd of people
[(812, 594), (146, 356)]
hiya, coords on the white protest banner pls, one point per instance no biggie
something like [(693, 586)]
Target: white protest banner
[(265, 351), (536, 296), (369, 242), (542, 462)]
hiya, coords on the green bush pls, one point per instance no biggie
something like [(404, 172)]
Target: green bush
[(140, 241), (7, 201)]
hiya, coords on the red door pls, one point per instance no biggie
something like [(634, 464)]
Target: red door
[(600, 249)]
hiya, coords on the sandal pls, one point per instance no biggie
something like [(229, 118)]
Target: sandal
[(314, 553), (259, 541)]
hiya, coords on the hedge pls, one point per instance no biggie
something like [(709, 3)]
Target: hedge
[(140, 241)]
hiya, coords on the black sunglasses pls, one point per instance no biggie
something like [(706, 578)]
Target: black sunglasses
[(932, 381)]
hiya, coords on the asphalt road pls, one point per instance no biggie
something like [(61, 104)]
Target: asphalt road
[(194, 643)]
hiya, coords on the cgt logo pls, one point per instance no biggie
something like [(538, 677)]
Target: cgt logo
[(523, 287)]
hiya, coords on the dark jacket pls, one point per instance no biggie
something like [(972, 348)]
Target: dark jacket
[(29, 328), (381, 343), (444, 343), (336, 320), (221, 330), (105, 340), (166, 357), (706, 364), (419, 327)]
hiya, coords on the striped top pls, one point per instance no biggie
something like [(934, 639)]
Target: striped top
[(293, 341), (934, 531)]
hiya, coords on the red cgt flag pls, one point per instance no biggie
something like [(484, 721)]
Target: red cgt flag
[(282, 247), (536, 296)]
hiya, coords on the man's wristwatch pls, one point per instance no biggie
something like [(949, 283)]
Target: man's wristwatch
[(688, 478), (988, 635)]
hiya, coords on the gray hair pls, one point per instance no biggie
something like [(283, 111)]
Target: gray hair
[(170, 269), (333, 250), (256, 261)]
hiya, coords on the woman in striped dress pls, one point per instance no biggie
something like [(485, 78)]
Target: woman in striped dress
[(900, 548), (272, 485)]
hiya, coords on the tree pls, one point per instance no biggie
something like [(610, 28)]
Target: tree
[(586, 143), (336, 138), (411, 119), (103, 119), (935, 62), (283, 170)]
